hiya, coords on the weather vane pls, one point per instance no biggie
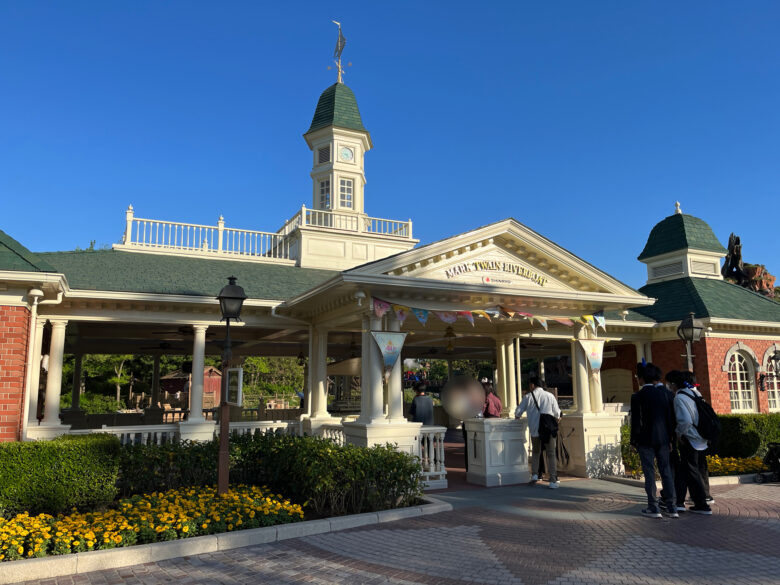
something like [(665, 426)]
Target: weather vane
[(340, 43)]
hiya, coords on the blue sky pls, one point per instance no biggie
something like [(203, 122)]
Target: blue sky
[(583, 120)]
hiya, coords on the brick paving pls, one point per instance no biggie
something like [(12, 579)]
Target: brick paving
[(588, 532)]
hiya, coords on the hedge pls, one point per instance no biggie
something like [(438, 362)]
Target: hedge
[(54, 476), (747, 435), (330, 479)]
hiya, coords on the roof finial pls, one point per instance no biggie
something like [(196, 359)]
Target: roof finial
[(677, 210)]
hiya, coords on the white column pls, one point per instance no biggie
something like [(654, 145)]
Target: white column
[(320, 403), (35, 371), (596, 398), (156, 382), (580, 374), (640, 350), (500, 382), (365, 369), (198, 361), (76, 390), (51, 415), (511, 404), (395, 389), (375, 378)]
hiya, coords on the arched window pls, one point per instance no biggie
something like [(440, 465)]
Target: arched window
[(742, 383), (772, 386)]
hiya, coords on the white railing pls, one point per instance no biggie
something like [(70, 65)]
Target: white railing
[(264, 427), (348, 222), (138, 435), (203, 239), (432, 457), (333, 432)]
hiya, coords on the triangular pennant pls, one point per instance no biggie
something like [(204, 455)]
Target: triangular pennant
[(526, 315), (564, 321), (401, 313), (590, 321), (482, 314), (506, 312), (448, 317), (380, 307), (421, 314), (601, 321), (542, 322), (467, 316)]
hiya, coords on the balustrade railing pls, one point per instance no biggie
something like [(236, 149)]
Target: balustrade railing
[(203, 239), (348, 222), (333, 432), (138, 435), (432, 457), (264, 427)]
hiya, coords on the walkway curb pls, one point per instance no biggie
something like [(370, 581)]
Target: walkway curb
[(716, 480), (86, 562)]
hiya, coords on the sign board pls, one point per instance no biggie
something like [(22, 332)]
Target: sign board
[(390, 344), (594, 352), (234, 386)]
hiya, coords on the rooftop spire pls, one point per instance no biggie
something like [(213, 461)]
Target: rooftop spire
[(677, 210)]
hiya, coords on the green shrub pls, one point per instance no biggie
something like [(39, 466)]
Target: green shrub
[(331, 479), (93, 403), (747, 435), (630, 455), (55, 476)]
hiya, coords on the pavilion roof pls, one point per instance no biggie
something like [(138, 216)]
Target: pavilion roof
[(14, 256)]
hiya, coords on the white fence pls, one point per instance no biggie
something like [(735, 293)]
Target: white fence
[(347, 222), (263, 427), (193, 238), (138, 434), (432, 457), (333, 432)]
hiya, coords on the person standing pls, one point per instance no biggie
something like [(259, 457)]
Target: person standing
[(536, 403), (492, 408), (693, 449), (652, 434), (421, 409)]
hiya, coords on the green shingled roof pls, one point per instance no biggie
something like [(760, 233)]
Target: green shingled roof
[(337, 107), (678, 232), (14, 256), (114, 270), (706, 297)]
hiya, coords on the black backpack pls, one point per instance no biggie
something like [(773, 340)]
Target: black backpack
[(709, 424)]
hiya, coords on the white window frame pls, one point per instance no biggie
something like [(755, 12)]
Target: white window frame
[(771, 383), (325, 198), (351, 195), (742, 382)]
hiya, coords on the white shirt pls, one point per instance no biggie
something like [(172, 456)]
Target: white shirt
[(547, 405), (688, 417)]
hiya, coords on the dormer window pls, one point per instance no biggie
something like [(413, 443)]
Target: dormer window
[(325, 194), (323, 155)]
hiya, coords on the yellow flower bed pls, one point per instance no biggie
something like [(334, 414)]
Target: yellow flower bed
[(141, 519), (734, 465)]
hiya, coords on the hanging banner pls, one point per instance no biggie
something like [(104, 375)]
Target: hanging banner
[(594, 350), (421, 314), (448, 317), (380, 307), (467, 316), (390, 344), (401, 313)]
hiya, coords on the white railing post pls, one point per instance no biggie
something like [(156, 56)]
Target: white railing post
[(409, 235), (128, 226), (303, 215), (220, 231)]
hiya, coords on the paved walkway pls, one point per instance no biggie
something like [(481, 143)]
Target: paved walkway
[(587, 532)]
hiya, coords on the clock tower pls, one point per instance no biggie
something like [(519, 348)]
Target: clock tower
[(339, 143)]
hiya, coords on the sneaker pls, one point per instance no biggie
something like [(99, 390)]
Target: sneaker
[(554, 485), (534, 479), (710, 500), (672, 514), (705, 509), (651, 513), (681, 509)]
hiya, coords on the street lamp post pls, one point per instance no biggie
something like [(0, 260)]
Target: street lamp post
[(690, 330), (231, 298)]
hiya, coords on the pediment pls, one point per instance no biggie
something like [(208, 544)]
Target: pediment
[(504, 254)]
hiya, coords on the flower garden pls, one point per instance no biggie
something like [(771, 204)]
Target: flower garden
[(60, 497), (144, 519)]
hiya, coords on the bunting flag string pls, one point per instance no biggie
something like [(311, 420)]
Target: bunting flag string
[(381, 307)]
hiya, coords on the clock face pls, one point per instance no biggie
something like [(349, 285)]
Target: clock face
[(346, 154)]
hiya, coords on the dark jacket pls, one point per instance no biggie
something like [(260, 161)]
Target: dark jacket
[(421, 410), (652, 416)]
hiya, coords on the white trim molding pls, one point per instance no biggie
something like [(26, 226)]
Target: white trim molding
[(739, 346)]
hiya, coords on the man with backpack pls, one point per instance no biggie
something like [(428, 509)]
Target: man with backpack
[(693, 422), (543, 413), (652, 434)]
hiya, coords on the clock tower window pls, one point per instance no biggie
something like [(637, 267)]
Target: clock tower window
[(345, 193), (323, 155), (325, 194)]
